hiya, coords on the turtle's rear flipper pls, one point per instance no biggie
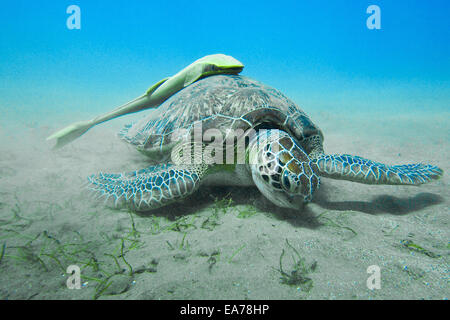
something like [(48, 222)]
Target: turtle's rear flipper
[(357, 169), (149, 188)]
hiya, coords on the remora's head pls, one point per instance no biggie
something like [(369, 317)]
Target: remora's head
[(219, 64)]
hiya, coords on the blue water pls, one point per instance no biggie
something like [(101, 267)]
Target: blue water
[(319, 53)]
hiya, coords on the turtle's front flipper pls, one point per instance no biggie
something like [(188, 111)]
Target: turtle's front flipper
[(149, 188), (357, 169)]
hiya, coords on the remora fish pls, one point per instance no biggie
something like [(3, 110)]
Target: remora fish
[(156, 94)]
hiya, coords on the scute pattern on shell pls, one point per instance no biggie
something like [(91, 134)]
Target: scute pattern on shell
[(222, 102)]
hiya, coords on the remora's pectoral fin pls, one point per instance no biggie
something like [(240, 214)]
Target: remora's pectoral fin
[(156, 86), (70, 133)]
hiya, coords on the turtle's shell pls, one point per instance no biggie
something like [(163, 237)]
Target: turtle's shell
[(223, 102)]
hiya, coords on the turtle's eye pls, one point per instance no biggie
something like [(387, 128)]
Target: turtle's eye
[(289, 181)]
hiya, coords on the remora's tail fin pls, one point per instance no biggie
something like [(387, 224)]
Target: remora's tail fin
[(70, 133), (77, 129)]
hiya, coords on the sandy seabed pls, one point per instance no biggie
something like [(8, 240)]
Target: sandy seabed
[(225, 243)]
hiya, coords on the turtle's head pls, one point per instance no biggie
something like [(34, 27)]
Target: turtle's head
[(220, 64), (281, 169)]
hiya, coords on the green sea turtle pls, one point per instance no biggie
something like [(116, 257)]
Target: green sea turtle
[(280, 152)]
